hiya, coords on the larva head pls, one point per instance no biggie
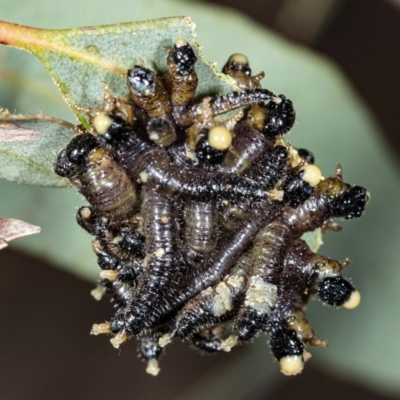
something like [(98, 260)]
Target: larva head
[(351, 204), (141, 81), (347, 201), (74, 156), (326, 267), (149, 349), (256, 116), (337, 291), (183, 57), (296, 191), (160, 132), (280, 117), (237, 62), (79, 148), (306, 155)]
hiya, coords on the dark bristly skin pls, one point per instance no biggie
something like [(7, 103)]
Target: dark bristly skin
[(198, 220), (158, 286)]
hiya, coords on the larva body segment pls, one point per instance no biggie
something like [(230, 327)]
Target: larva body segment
[(98, 177), (155, 293), (247, 148), (200, 231)]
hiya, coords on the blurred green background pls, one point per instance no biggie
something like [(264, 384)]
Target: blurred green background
[(47, 314)]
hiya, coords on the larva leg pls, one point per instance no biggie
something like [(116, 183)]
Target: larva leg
[(208, 340)]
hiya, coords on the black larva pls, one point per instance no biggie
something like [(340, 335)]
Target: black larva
[(198, 223)]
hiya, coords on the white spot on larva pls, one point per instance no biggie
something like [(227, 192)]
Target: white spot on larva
[(144, 176), (117, 240), (164, 219), (102, 123), (85, 213), (261, 295), (275, 194), (159, 252), (235, 280), (154, 136)]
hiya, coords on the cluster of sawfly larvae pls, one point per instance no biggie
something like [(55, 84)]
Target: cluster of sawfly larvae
[(198, 213)]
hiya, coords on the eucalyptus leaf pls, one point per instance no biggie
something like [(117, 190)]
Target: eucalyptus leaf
[(81, 59), (28, 144), (332, 121)]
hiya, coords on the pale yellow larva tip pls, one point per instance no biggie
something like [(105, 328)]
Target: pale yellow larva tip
[(291, 365), (85, 213), (219, 138), (311, 174), (353, 301), (180, 42), (102, 123), (238, 58)]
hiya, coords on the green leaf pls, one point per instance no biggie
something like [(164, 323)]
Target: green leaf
[(81, 59), (27, 147)]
